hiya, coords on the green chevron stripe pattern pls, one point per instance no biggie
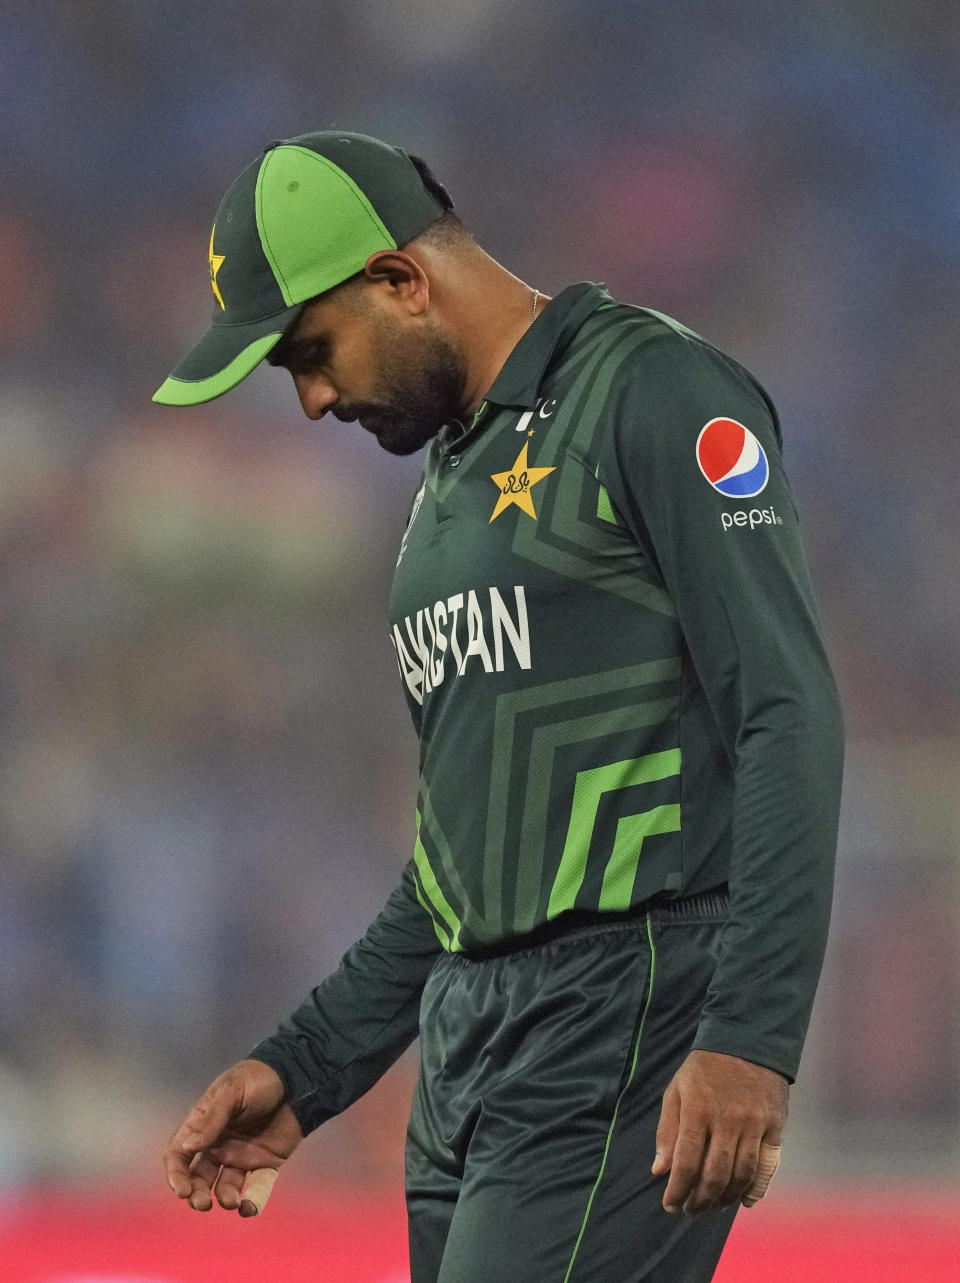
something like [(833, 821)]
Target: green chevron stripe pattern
[(588, 791), (621, 871), (562, 539), (605, 508), (447, 874), (591, 340), (547, 741), (442, 935), (588, 708), (432, 892)]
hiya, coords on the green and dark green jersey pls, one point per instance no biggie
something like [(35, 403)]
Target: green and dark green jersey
[(607, 638)]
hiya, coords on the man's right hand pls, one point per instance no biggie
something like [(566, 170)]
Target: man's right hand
[(240, 1125)]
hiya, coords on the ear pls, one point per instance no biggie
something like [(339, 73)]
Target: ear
[(401, 279)]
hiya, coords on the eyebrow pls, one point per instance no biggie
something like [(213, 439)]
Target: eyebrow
[(315, 349)]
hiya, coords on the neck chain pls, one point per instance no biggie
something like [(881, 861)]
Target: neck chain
[(533, 310)]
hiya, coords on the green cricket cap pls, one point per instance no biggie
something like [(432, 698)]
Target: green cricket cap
[(303, 217)]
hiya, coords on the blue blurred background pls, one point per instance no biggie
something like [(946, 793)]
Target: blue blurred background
[(207, 773)]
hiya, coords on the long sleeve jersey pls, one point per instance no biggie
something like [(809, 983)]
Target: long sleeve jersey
[(606, 635)]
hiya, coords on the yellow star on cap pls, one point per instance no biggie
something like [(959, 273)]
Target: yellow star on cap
[(516, 484), (216, 262)]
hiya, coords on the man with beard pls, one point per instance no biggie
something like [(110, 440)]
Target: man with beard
[(610, 932)]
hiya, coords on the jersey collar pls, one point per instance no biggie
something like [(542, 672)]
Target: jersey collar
[(518, 383)]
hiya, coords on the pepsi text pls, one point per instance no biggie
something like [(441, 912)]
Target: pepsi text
[(755, 517)]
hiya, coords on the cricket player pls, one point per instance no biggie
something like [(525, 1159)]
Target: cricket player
[(611, 929)]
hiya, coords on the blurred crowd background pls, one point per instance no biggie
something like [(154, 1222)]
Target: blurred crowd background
[(207, 773)]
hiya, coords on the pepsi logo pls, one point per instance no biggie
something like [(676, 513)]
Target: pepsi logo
[(732, 459)]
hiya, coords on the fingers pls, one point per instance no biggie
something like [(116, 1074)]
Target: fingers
[(667, 1130), (722, 1167), (203, 1176), (688, 1155), (229, 1183), (769, 1161), (707, 1168), (256, 1191), (206, 1176), (176, 1165), (744, 1168), (714, 1171), (719, 1133), (201, 1129)]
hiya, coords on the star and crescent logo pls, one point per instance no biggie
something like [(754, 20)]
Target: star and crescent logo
[(516, 483), (216, 262)]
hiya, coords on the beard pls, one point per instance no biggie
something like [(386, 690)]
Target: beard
[(419, 386)]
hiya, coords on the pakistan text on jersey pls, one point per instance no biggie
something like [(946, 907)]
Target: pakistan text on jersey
[(435, 640)]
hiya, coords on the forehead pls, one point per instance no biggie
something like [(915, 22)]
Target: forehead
[(325, 323), (325, 315), (313, 335)]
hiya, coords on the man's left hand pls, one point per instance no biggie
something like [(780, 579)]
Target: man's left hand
[(716, 1111)]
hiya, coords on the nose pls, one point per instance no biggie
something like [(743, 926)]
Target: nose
[(316, 394)]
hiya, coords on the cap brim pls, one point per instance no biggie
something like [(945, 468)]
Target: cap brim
[(223, 358)]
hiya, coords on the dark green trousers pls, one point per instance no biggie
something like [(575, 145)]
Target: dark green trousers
[(535, 1114)]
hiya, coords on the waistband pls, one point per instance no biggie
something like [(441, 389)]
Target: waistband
[(706, 906)]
